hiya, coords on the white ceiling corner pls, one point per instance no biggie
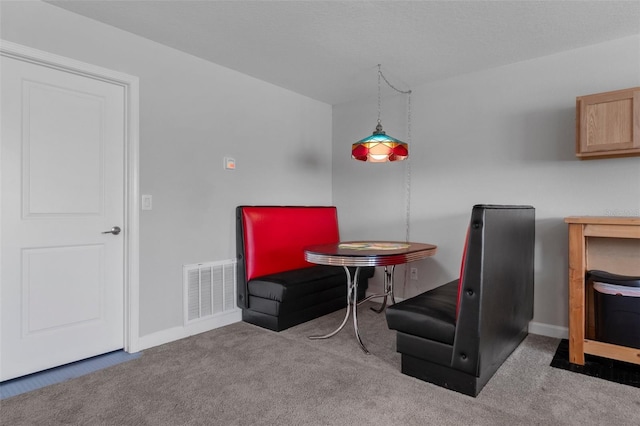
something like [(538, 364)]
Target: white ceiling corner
[(329, 50)]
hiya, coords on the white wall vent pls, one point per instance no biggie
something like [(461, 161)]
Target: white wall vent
[(209, 289)]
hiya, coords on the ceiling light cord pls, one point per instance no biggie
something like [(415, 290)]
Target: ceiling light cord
[(407, 164), (408, 174), (407, 193)]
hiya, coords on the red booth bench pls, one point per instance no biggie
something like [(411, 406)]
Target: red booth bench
[(277, 287)]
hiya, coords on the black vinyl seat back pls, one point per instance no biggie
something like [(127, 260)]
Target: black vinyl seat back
[(496, 294), (457, 335)]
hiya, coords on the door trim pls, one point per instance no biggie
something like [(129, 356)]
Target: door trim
[(130, 85)]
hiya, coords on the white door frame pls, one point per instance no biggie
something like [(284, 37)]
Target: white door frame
[(130, 85)]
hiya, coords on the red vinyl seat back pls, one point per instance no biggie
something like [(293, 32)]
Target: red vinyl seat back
[(275, 236), (461, 276)]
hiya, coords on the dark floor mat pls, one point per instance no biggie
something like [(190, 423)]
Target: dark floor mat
[(595, 366)]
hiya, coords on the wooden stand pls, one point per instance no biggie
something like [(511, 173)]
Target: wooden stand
[(606, 243)]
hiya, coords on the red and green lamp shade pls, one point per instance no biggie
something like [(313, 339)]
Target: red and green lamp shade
[(379, 148)]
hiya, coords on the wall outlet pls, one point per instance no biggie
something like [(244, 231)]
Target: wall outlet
[(414, 273)]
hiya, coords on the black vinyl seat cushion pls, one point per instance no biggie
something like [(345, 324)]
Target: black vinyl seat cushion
[(301, 282), (431, 315), (290, 291)]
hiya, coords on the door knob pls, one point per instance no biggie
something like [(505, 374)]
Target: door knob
[(115, 230)]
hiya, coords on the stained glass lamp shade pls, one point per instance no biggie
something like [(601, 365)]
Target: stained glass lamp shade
[(379, 148)]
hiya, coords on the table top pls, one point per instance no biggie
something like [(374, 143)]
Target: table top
[(368, 253)]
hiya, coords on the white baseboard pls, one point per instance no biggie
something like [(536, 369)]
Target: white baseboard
[(379, 300), (177, 333), (548, 330)]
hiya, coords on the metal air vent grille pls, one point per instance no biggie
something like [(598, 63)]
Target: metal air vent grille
[(209, 289)]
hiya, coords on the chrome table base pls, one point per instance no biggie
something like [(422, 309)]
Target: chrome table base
[(388, 290), (352, 302), (366, 253)]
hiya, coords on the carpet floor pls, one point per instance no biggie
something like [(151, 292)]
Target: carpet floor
[(244, 375)]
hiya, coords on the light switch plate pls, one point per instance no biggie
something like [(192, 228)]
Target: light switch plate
[(147, 202)]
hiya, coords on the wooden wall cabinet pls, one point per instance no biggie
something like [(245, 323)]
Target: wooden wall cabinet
[(606, 243), (608, 124)]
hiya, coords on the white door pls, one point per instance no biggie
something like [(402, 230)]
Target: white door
[(62, 177)]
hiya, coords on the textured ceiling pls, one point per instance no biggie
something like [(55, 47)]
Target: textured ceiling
[(329, 50)]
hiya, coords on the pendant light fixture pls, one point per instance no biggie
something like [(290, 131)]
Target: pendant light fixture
[(380, 147)]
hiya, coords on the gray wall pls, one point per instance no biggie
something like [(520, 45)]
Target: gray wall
[(192, 114), (503, 136)]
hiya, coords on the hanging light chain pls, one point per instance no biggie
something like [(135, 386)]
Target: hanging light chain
[(404, 92), (380, 74), (409, 116), (408, 174), (379, 107), (408, 163)]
